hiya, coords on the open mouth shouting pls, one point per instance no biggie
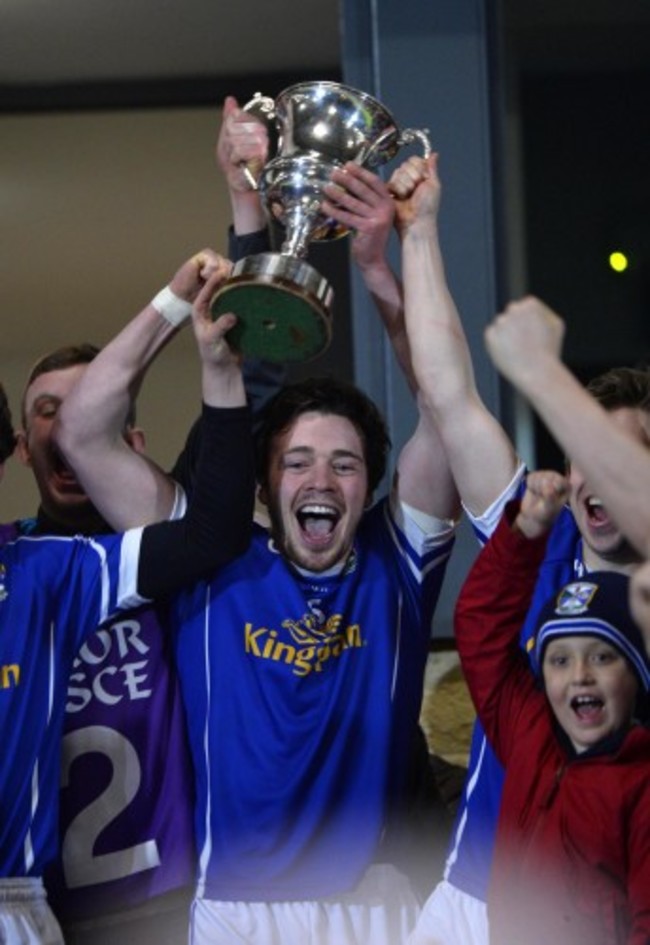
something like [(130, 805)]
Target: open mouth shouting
[(62, 475), (603, 538), (317, 522), (317, 490), (596, 512), (588, 709)]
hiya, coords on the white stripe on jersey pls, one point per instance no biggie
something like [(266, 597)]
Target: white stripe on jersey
[(398, 644), (206, 852), (127, 591), (471, 784), (29, 849), (418, 542)]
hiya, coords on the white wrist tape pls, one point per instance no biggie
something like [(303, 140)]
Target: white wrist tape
[(171, 307)]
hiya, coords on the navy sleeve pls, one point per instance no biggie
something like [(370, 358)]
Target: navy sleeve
[(218, 523), (262, 379), (247, 244)]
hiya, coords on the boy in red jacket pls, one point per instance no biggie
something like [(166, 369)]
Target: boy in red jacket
[(572, 861)]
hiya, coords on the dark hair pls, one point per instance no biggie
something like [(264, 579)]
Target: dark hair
[(622, 387), (7, 435), (64, 357), (324, 395)]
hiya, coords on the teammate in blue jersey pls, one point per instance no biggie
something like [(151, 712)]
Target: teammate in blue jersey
[(437, 362), (55, 592), (313, 679), (306, 686)]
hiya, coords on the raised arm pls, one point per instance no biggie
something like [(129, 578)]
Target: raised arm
[(218, 522), (525, 343), (242, 142), (493, 604), (360, 200), (480, 456), (92, 431), (242, 145)]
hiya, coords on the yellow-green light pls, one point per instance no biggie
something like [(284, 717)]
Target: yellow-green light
[(618, 261)]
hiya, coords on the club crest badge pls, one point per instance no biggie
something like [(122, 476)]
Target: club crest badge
[(3, 590), (575, 598)]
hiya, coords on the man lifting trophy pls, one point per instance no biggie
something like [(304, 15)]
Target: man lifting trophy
[(283, 305)]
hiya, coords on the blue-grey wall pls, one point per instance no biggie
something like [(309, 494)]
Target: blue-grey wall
[(434, 65)]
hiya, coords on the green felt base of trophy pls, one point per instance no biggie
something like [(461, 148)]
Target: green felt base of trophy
[(282, 307)]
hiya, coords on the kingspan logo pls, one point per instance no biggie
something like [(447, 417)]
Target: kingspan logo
[(313, 644)]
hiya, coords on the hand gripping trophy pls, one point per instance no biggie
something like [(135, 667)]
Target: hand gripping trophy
[(282, 303)]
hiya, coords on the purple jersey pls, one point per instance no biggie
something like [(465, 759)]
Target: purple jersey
[(126, 782), (8, 532)]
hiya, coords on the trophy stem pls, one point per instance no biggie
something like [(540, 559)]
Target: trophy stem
[(301, 223)]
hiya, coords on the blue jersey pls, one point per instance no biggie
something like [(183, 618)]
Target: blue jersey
[(472, 844), (54, 592), (302, 693)]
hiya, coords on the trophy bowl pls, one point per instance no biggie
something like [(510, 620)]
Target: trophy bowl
[(320, 126)]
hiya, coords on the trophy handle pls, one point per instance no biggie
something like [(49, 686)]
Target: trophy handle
[(409, 135), (390, 141), (261, 107)]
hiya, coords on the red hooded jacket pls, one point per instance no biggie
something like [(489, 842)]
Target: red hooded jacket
[(572, 858)]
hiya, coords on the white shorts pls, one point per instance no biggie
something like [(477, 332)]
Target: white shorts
[(451, 917), (25, 916), (382, 910)]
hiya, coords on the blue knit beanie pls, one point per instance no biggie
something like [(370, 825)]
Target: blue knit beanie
[(596, 606)]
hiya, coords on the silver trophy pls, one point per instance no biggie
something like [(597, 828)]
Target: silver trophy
[(283, 305)]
